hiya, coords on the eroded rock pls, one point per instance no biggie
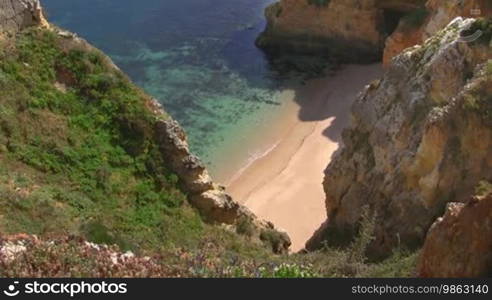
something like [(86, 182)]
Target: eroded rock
[(419, 138), (347, 28), (459, 244), (16, 15), (211, 200), (423, 23)]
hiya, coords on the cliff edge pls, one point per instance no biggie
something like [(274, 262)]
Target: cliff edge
[(104, 138), (420, 137), (350, 30)]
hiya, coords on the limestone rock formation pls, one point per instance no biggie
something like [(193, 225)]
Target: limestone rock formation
[(353, 30), (419, 138), (211, 200), (363, 30), (16, 15), (459, 244), (422, 23), (337, 25)]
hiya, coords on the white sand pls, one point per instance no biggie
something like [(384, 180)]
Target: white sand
[(285, 185)]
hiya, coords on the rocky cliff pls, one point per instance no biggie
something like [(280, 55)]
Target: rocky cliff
[(422, 23), (16, 15), (459, 244), (71, 69), (360, 30), (420, 137), (211, 200), (352, 30)]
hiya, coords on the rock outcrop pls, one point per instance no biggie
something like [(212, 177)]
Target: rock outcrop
[(16, 15), (422, 23), (211, 200), (351, 30), (334, 26), (459, 244), (419, 138), (363, 30)]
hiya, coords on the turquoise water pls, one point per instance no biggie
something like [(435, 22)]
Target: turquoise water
[(196, 56)]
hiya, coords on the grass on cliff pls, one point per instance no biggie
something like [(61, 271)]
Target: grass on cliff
[(77, 154), (77, 158)]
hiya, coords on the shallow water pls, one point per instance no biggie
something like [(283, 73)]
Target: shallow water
[(197, 57)]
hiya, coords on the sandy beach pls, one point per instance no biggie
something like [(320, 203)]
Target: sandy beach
[(284, 185)]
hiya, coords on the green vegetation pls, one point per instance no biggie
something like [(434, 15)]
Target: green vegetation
[(479, 98), (77, 153), (483, 189), (485, 27), (78, 162)]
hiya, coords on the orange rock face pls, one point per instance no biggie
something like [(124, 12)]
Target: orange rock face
[(400, 40), (437, 15), (460, 243), (338, 26)]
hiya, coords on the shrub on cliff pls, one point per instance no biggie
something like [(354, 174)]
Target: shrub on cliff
[(78, 154)]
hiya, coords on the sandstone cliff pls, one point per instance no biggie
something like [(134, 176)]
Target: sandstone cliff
[(211, 200), (422, 23), (361, 30), (420, 137), (18, 14), (459, 244), (352, 30)]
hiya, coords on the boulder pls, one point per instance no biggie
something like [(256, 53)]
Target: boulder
[(459, 244)]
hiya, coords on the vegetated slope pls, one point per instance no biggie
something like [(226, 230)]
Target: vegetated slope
[(77, 150), (87, 159), (421, 137), (85, 152)]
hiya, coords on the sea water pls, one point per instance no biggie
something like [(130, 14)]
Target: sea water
[(198, 58)]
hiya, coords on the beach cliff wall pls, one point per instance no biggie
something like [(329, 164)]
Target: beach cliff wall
[(16, 15), (211, 200), (351, 30), (426, 21), (420, 138), (360, 31)]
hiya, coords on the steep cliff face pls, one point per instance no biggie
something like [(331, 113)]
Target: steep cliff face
[(422, 23), (459, 244), (16, 15), (211, 200), (420, 137), (352, 30), (54, 78), (323, 27)]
